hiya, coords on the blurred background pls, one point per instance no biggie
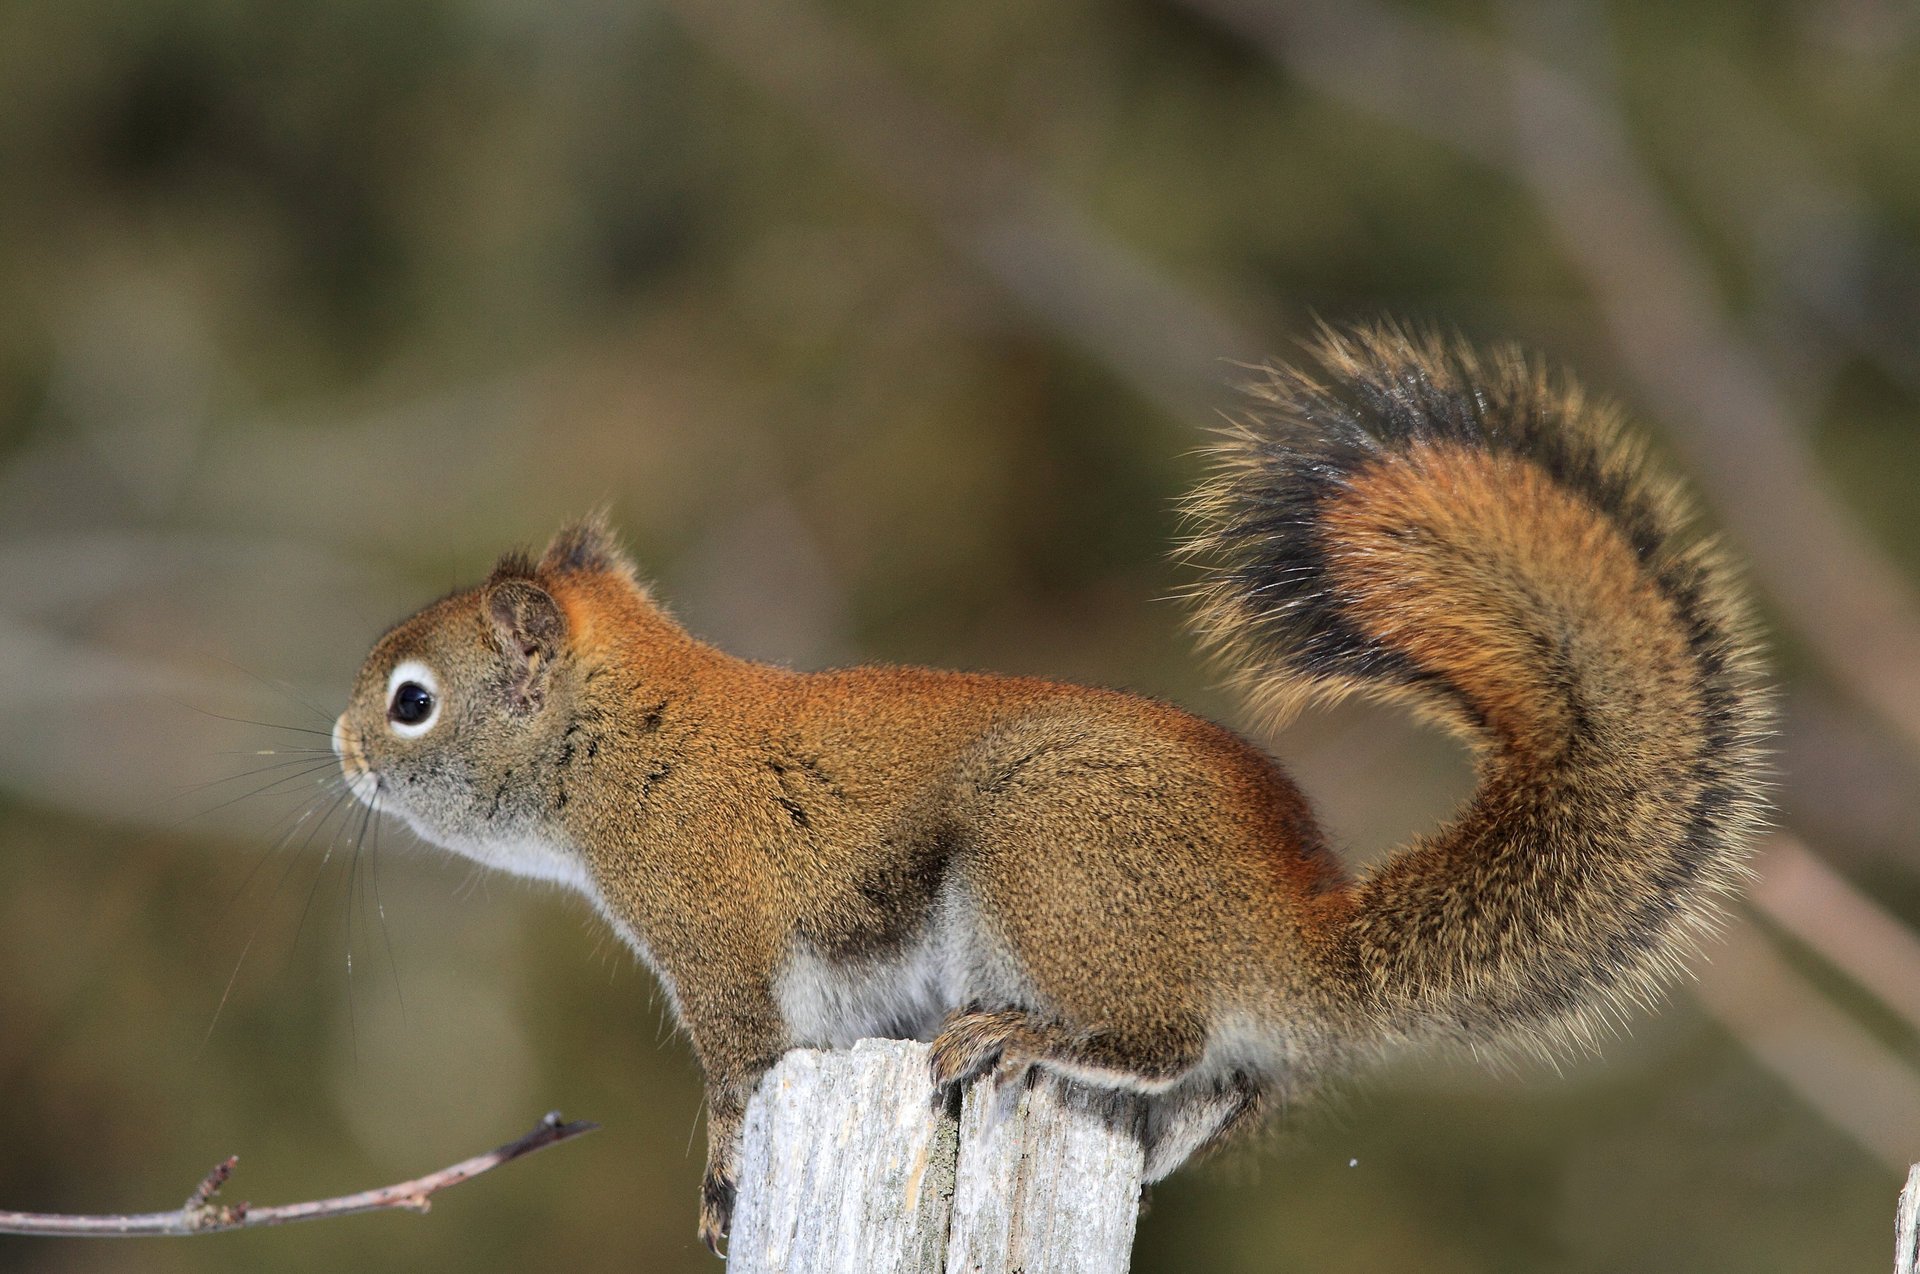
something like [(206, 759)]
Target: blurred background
[(889, 332)]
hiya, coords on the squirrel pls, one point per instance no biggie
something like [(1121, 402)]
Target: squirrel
[(1101, 885)]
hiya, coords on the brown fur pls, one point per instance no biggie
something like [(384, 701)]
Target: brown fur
[(1102, 885)]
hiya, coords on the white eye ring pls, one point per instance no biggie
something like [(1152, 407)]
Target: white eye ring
[(412, 672)]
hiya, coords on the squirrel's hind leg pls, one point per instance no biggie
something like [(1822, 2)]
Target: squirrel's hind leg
[(1189, 1111), (1152, 1060)]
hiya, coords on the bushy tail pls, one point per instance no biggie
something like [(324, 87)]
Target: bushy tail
[(1471, 538)]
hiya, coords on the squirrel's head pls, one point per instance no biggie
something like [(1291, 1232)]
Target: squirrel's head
[(459, 720)]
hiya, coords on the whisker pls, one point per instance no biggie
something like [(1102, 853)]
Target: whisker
[(227, 993), (305, 845), (293, 822), (281, 688), (239, 964), (254, 772), (380, 908), (294, 860), (268, 725), (333, 842), (353, 872), (317, 768)]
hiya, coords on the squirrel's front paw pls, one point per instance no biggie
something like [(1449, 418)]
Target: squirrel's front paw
[(716, 1212)]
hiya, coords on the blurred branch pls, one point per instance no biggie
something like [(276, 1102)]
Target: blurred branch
[(1849, 280), (1826, 1058), (1095, 291), (1848, 786), (1569, 148), (201, 1215), (1819, 907), (37, 665)]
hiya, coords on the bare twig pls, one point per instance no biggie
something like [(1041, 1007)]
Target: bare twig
[(201, 1215)]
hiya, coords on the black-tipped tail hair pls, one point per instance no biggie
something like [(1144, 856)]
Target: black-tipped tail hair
[(1569, 881)]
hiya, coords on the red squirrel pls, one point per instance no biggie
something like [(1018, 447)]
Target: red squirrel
[(1101, 885)]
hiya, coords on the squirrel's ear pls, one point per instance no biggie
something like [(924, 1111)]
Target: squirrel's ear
[(529, 628), (587, 545)]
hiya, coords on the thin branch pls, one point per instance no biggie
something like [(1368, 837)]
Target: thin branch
[(202, 1215)]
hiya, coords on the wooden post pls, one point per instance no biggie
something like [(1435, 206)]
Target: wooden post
[(1906, 1226), (1048, 1179), (848, 1167)]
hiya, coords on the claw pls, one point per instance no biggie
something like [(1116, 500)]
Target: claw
[(716, 1213)]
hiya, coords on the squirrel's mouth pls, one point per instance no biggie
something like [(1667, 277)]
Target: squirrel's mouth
[(361, 780)]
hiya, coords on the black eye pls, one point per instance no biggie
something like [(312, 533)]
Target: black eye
[(412, 704)]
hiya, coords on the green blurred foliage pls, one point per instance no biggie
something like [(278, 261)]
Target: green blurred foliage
[(307, 311)]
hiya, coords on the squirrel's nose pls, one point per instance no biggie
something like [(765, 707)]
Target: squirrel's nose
[(340, 736)]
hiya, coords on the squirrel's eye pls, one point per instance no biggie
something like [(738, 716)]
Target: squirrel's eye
[(413, 699), (412, 703)]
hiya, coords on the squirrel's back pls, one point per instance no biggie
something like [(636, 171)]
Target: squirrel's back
[(1474, 539)]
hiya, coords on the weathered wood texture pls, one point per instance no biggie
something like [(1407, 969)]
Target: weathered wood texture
[(848, 1167), (1048, 1179), (1906, 1226)]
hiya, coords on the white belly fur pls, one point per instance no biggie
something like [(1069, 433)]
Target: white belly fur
[(829, 1003)]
